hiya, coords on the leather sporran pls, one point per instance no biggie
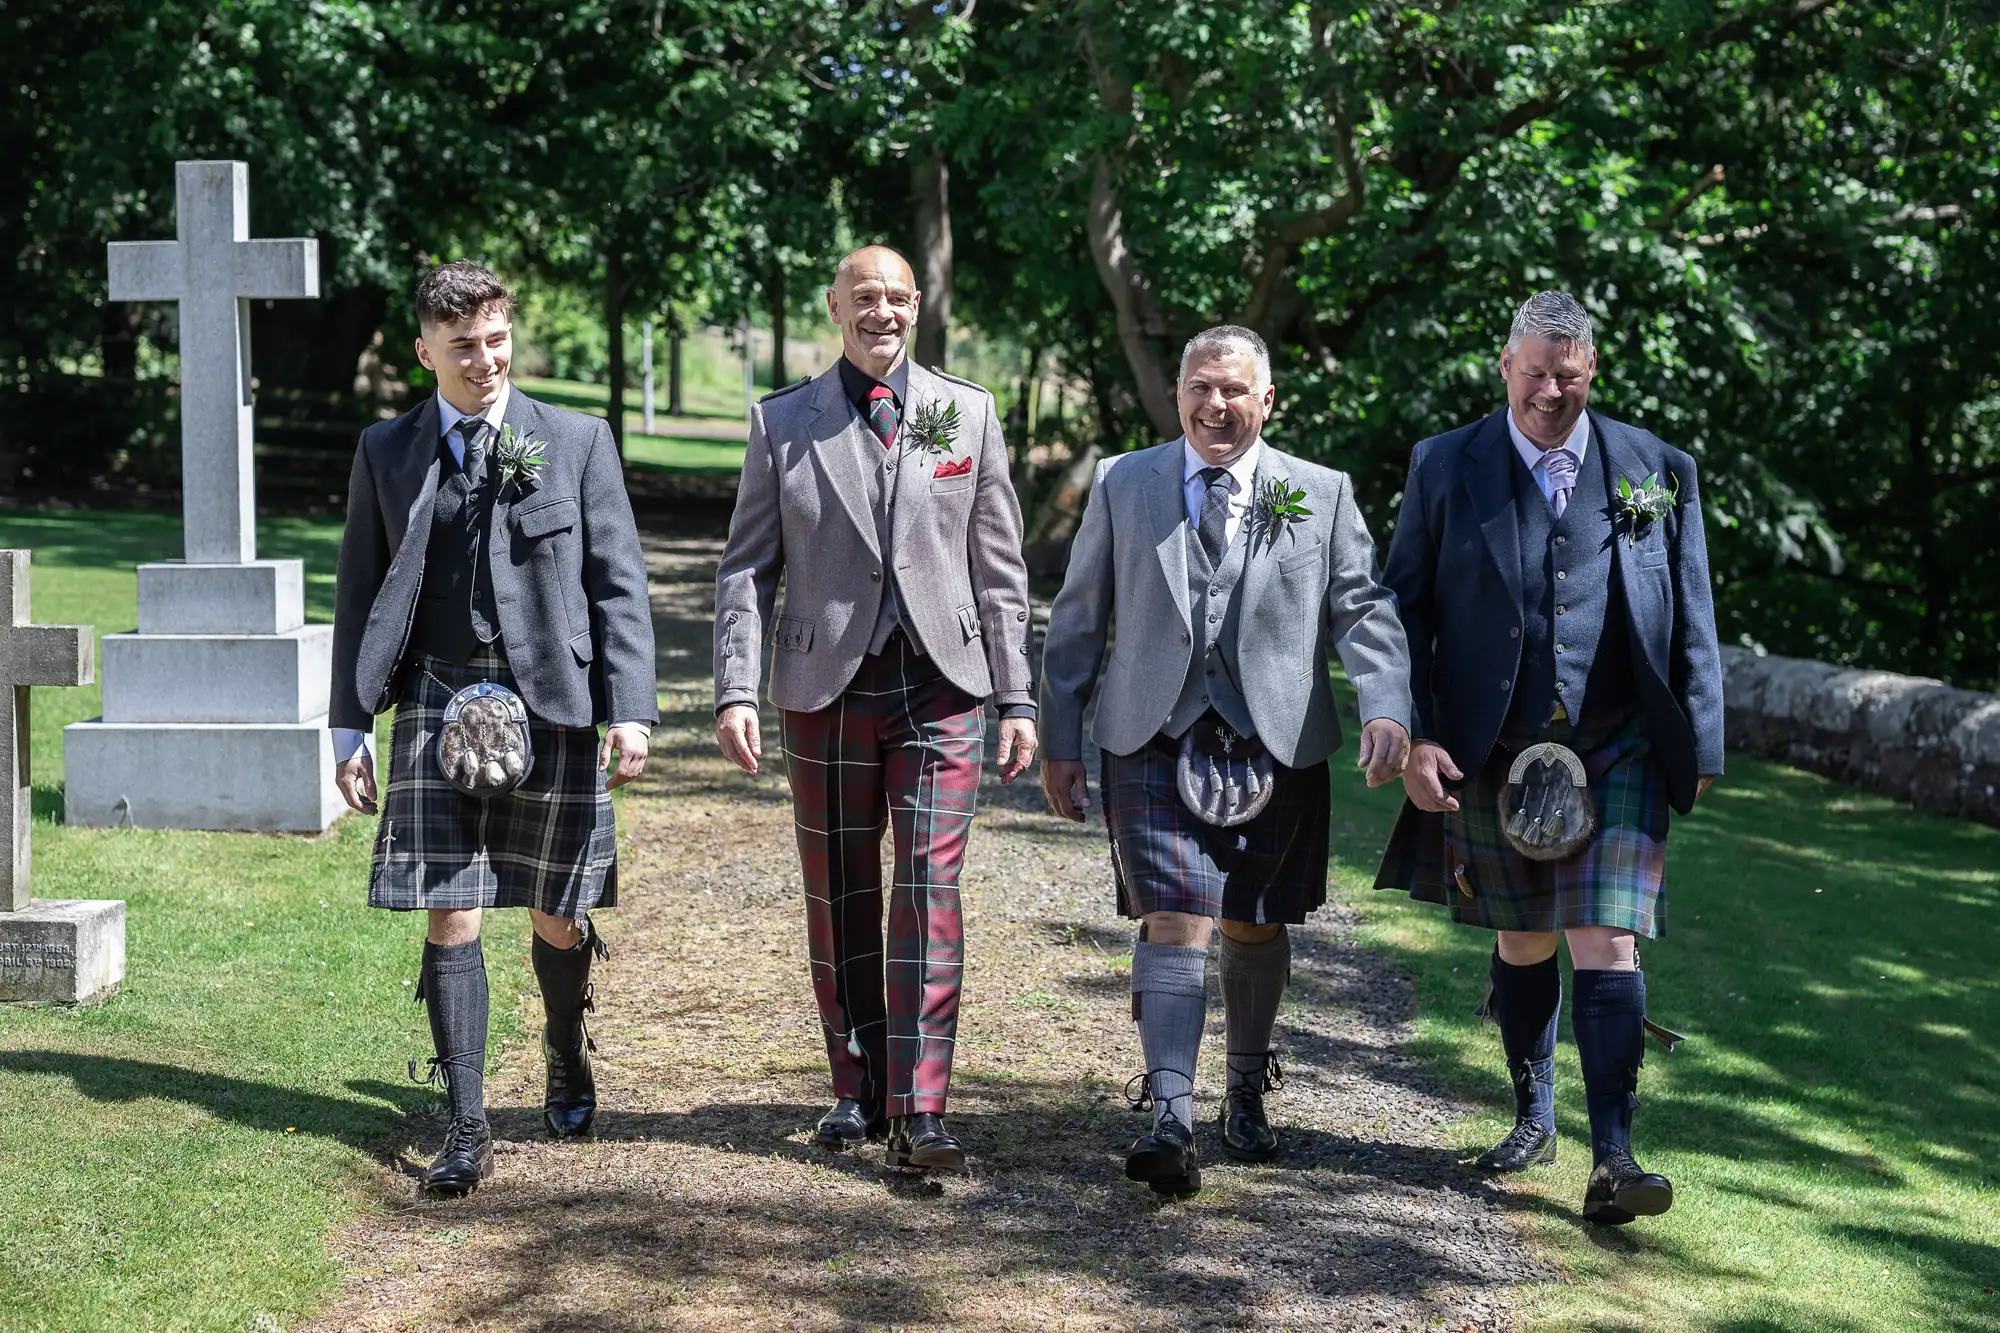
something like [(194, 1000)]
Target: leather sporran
[(484, 745), (1224, 778), (1546, 809)]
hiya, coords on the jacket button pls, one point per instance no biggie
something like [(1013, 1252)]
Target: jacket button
[(1561, 609), (1559, 648), (1506, 684), (1186, 637), (875, 576), (732, 617), (1512, 633), (1562, 541), (1020, 615), (1560, 575)]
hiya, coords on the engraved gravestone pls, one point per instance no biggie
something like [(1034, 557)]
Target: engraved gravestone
[(215, 708), (60, 952)]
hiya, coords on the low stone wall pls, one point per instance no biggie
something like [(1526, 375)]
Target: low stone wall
[(1918, 740)]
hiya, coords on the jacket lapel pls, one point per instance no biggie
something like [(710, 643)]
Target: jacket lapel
[(837, 441), (1641, 593), (1256, 564), (417, 469), (1489, 480), (914, 466), (1168, 504)]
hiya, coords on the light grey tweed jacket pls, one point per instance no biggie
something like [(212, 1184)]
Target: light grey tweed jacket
[(802, 511), (1310, 584)]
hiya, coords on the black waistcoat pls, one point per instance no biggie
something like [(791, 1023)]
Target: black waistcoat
[(455, 614), (1576, 642)]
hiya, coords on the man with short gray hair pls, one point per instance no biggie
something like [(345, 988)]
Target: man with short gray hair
[(1551, 574), (1230, 570)]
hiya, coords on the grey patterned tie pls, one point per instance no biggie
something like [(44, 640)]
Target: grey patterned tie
[(1214, 526), (473, 431)]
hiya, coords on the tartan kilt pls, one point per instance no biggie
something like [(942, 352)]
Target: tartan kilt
[(1617, 880), (551, 843), (1271, 870)]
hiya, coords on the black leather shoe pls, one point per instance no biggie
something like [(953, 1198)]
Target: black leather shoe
[(1620, 1190), (1246, 1134), (467, 1159), (849, 1122), (922, 1141), (569, 1103), (1526, 1145), (1165, 1159)]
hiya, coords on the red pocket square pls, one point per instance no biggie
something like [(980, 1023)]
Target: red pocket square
[(954, 469)]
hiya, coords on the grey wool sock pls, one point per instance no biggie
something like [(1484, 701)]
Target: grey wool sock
[(1170, 1002), (454, 991), (1254, 977)]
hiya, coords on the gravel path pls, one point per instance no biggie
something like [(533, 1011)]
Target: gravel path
[(703, 1206)]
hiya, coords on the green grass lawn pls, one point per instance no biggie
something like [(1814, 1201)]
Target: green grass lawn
[(716, 452), (175, 1157), (1833, 1125)]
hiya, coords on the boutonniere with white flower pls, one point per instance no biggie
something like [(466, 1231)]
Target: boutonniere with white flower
[(1636, 506), (517, 458), (1278, 506), (932, 426)]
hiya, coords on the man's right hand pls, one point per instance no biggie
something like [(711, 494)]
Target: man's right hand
[(1423, 778), (1066, 786), (356, 779), (736, 732)]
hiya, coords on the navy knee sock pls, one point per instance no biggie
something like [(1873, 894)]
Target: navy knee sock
[(1608, 1012), (1526, 999)]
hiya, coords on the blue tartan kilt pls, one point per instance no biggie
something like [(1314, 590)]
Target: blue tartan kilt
[(551, 843), (1269, 870), (1618, 879)]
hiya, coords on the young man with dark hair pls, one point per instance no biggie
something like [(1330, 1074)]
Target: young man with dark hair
[(490, 540)]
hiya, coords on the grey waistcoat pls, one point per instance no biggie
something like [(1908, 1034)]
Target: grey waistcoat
[(1574, 642), (455, 611), (1213, 669)]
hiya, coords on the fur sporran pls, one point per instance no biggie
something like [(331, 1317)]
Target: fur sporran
[(1546, 809), (484, 745), (1224, 778)]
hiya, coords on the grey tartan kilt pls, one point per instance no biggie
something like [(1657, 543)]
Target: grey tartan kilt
[(551, 843), (1270, 870)]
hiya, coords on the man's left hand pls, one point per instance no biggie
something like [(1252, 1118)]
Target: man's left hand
[(1017, 746), (1385, 749), (630, 744), (1703, 783)]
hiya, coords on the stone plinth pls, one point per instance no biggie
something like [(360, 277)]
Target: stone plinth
[(271, 777), (218, 678), (61, 952), (258, 597)]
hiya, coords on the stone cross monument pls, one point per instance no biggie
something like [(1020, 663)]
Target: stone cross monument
[(215, 710), (59, 952)]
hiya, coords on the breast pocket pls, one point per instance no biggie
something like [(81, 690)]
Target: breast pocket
[(546, 518)]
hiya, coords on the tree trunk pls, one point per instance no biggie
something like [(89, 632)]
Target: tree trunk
[(930, 181), (614, 324), (1142, 325), (118, 339), (778, 376), (675, 407)]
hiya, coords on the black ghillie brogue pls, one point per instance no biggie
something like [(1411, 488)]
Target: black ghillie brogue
[(921, 1141), (849, 1123), (1621, 1190), (466, 1159), (1165, 1159), (1247, 1135), (569, 1099), (1527, 1144)]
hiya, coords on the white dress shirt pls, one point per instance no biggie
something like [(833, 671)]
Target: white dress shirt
[(1531, 453), (1242, 475)]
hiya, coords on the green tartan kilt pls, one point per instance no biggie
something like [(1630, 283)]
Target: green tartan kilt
[(1618, 879)]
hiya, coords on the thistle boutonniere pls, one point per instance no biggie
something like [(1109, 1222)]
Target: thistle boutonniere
[(932, 426), (1278, 506), (518, 459), (1639, 505)]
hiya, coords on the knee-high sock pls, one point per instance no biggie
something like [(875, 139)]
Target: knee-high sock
[(1608, 1013), (564, 975), (1526, 999), (1254, 977), (1170, 1002), (454, 987)]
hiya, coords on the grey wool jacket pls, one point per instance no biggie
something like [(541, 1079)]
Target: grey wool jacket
[(803, 514), (569, 578), (1307, 587)]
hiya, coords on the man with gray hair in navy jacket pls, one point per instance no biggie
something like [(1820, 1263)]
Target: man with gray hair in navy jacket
[(1551, 575)]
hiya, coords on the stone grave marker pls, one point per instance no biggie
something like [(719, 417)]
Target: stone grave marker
[(215, 709), (50, 952)]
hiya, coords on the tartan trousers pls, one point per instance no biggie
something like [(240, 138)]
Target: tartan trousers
[(901, 745)]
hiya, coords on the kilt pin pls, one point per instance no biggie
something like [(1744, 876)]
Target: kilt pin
[(901, 745)]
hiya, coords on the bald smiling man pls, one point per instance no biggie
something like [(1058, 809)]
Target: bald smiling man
[(879, 493)]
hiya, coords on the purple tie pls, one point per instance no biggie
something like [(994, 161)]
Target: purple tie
[(1559, 465)]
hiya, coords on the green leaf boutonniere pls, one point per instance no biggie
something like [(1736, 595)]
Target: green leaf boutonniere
[(932, 426), (516, 458), (1639, 505), (1278, 506)]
